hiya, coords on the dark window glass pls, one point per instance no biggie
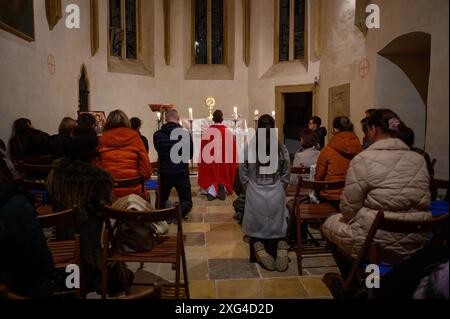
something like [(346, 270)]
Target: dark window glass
[(284, 30), (299, 30), (131, 29), (201, 29), (217, 32), (115, 28)]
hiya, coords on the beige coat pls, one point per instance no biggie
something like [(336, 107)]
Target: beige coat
[(387, 176)]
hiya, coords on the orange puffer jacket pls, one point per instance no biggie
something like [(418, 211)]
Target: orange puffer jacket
[(123, 155), (334, 160)]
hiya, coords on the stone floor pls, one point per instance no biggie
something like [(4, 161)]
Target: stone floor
[(218, 265)]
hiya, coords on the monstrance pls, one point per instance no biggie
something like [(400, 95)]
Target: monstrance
[(210, 103)]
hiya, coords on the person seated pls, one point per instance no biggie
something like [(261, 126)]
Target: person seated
[(265, 216), (86, 120), (27, 142), (26, 265), (216, 172), (315, 124), (172, 174), (58, 141), (387, 177), (9, 163), (122, 153), (335, 158), (76, 181), (136, 124), (308, 155)]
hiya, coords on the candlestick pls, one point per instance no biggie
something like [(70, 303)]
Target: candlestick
[(191, 116)]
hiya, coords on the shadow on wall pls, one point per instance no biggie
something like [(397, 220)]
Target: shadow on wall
[(402, 78)]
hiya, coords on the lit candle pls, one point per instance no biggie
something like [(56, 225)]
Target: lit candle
[(236, 112), (191, 116), (273, 114), (256, 114), (158, 115)]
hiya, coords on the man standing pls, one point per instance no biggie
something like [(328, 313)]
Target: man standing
[(174, 174), (217, 169), (315, 124)]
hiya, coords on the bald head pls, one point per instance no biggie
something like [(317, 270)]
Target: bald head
[(172, 116)]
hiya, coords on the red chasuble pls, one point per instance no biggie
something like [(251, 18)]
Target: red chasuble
[(218, 160)]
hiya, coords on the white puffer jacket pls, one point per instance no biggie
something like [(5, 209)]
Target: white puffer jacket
[(387, 176)]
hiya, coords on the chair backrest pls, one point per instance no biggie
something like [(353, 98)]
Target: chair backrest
[(142, 216), (291, 189), (33, 185), (300, 170), (5, 293), (64, 218), (437, 226), (130, 182), (34, 171), (436, 185)]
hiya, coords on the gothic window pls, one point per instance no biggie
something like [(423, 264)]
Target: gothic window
[(123, 29), (209, 27), (291, 30)]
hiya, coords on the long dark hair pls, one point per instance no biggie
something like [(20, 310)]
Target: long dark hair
[(390, 123), (82, 145)]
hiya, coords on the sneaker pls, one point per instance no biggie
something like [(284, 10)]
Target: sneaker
[(222, 192), (264, 258), (282, 262)]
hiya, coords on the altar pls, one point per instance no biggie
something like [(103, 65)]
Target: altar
[(238, 127)]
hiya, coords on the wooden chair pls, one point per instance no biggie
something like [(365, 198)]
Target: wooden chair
[(370, 249), (291, 189), (6, 293), (132, 182), (166, 249), (157, 189), (303, 211), (436, 185), (34, 171), (66, 252)]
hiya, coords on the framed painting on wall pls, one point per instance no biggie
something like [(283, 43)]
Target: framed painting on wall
[(17, 17), (100, 120), (338, 103)]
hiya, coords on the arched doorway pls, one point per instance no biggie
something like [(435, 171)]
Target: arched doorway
[(402, 76), (83, 91)]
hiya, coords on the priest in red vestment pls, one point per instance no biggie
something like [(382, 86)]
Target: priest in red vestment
[(218, 160)]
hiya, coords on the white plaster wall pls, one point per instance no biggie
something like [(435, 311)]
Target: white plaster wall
[(26, 87), (395, 91), (344, 48)]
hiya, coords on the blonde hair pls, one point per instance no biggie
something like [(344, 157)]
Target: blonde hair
[(116, 119), (67, 125)]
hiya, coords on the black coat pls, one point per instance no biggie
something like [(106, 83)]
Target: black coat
[(26, 263), (321, 133), (163, 145)]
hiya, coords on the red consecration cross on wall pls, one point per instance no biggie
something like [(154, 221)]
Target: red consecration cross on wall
[(51, 64), (364, 68)]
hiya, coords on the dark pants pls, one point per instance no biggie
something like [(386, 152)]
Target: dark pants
[(183, 188), (344, 265), (270, 245)]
